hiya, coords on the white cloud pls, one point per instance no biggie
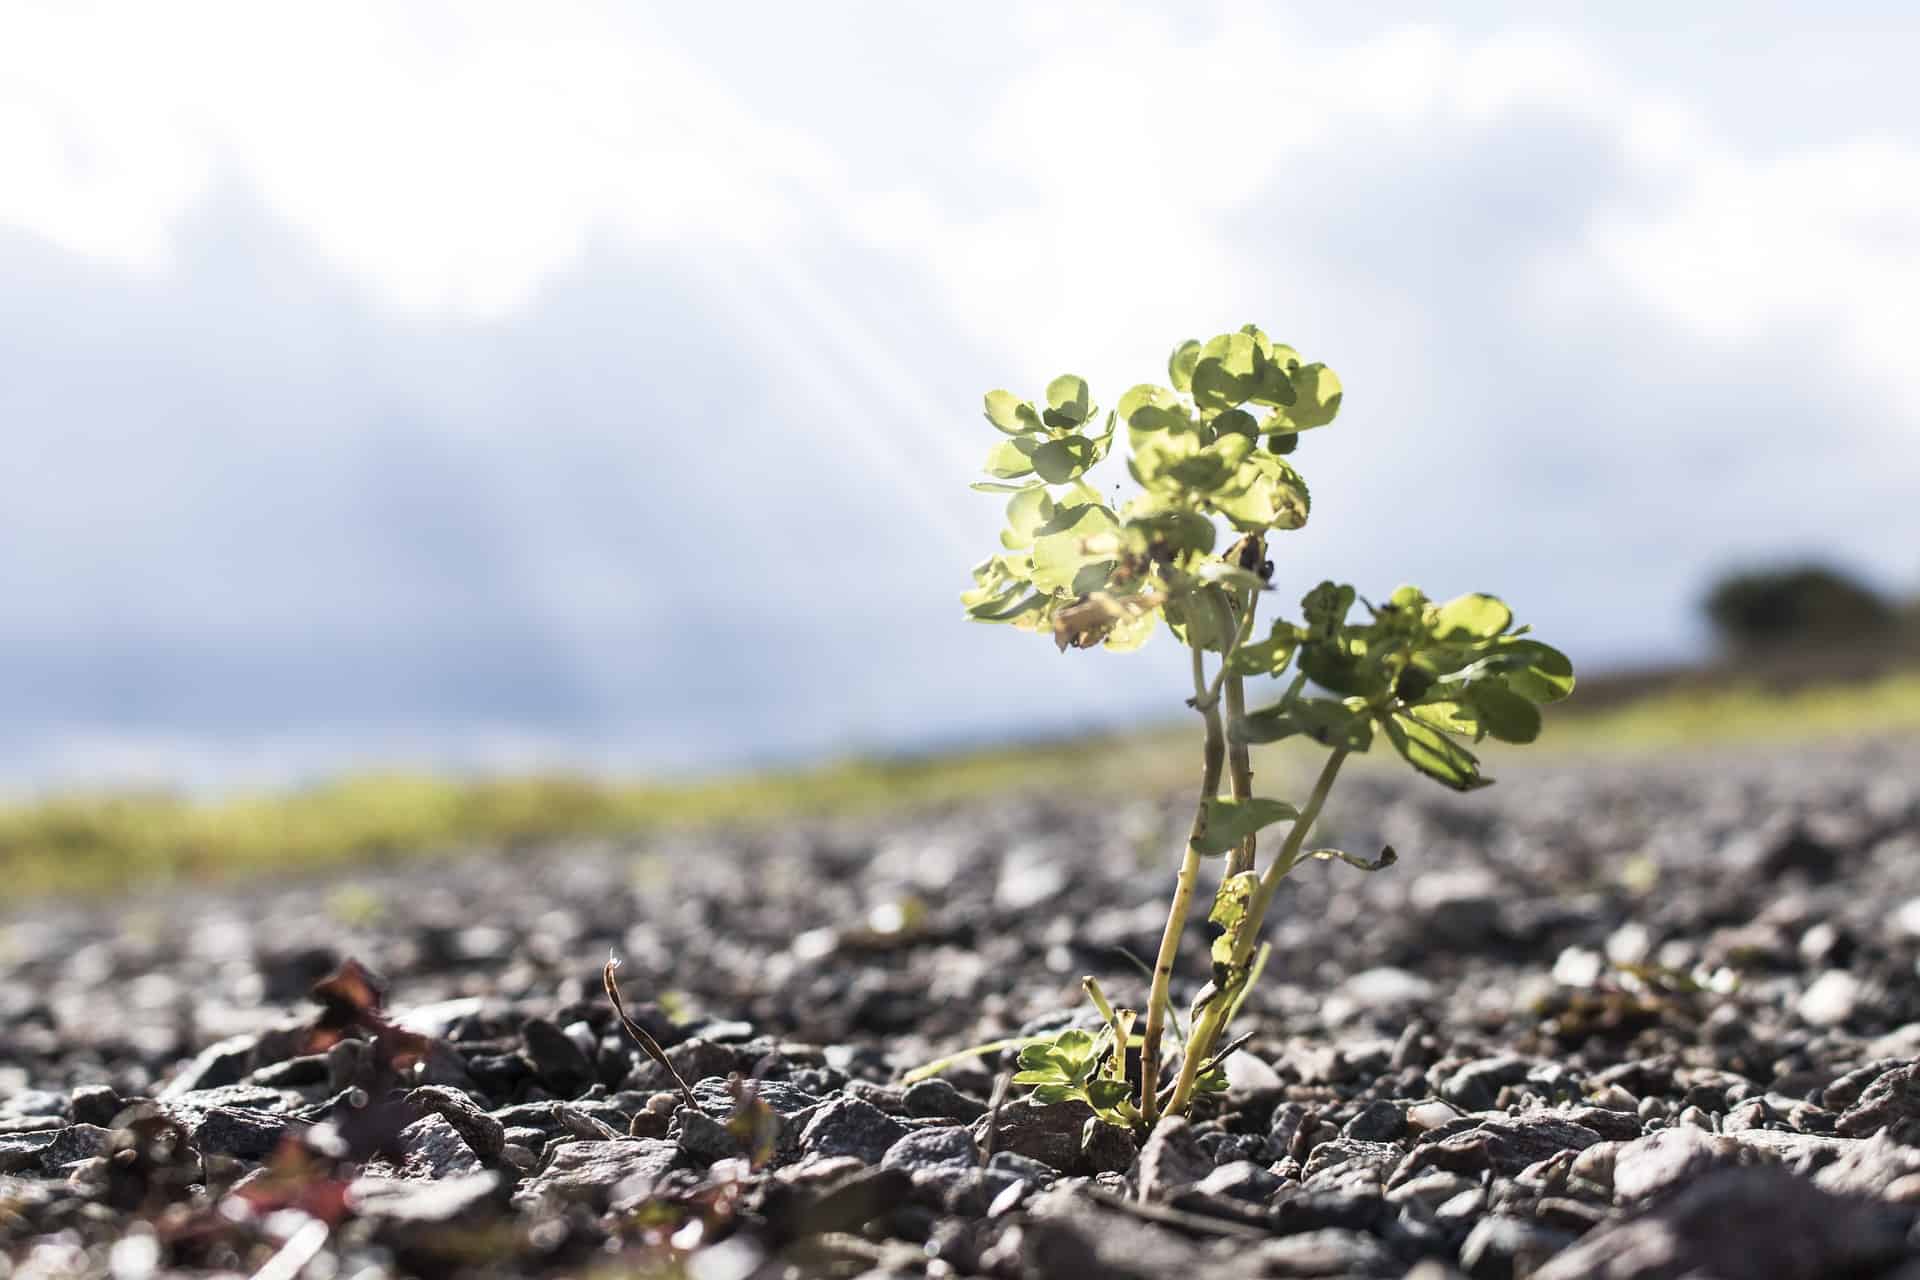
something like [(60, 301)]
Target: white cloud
[(1819, 246), (449, 157)]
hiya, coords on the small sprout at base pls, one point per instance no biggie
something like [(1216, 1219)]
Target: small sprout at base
[(1212, 456)]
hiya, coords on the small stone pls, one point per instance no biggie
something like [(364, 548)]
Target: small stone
[(1171, 1160), (433, 1148), (1329, 1252), (1289, 1118), (937, 1099), (224, 1062), (717, 1098), (846, 1126), (95, 1104), (1595, 1164), (1830, 999), (949, 1147), (1052, 1133), (1431, 1114), (1505, 1146), (1890, 1103), (695, 1059), (1651, 1166), (1378, 1121), (701, 1136), (294, 1073), (1755, 1222), (1009, 1165), (480, 1131), (412, 1200), (603, 1173), (1474, 1087), (48, 1152), (1501, 1247), (1346, 1165), (1240, 1180), (556, 1059), (232, 1131)]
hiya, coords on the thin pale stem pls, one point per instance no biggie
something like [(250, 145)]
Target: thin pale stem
[(1239, 775), (1212, 1020), (1239, 754), (1213, 759), (1207, 695)]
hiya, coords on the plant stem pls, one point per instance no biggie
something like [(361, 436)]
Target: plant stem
[(1239, 755), (1213, 757), (1212, 1020), (1240, 775)]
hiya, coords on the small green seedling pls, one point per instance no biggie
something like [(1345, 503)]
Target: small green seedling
[(1209, 450)]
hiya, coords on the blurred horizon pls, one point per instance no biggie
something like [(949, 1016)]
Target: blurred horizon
[(473, 388)]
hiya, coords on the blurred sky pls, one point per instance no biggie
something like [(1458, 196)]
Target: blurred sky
[(504, 384)]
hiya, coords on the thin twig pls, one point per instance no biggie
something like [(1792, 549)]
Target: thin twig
[(639, 1033)]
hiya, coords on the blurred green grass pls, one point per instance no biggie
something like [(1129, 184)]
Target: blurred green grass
[(111, 842)]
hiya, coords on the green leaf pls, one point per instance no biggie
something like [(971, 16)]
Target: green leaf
[(995, 486), (1326, 606), (1203, 472), (1048, 1094), (1147, 409), (1231, 821), (1434, 753), (1267, 657), (1535, 671), (1007, 607), (1226, 574), (1129, 634), (1048, 1074), (1011, 414), (1229, 912), (1334, 665), (1269, 495), (1067, 397), (1471, 617), (1179, 530), (1074, 1047), (1224, 377), (1039, 1056), (1317, 391), (1196, 619), (1347, 724), (1273, 383), (1108, 1095), (1010, 459), (1236, 422), (1503, 713), (1059, 461), (1059, 557), (1180, 365), (1449, 715), (1027, 510)]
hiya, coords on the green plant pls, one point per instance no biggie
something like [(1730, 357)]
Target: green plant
[(1210, 450)]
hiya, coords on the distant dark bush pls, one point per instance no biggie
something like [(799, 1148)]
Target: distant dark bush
[(1770, 607)]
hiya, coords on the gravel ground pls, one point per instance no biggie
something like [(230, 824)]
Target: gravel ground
[(1622, 1020)]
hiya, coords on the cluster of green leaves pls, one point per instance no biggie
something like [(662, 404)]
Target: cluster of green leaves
[(1081, 1064), (1423, 674), (1089, 1066), (1209, 447)]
